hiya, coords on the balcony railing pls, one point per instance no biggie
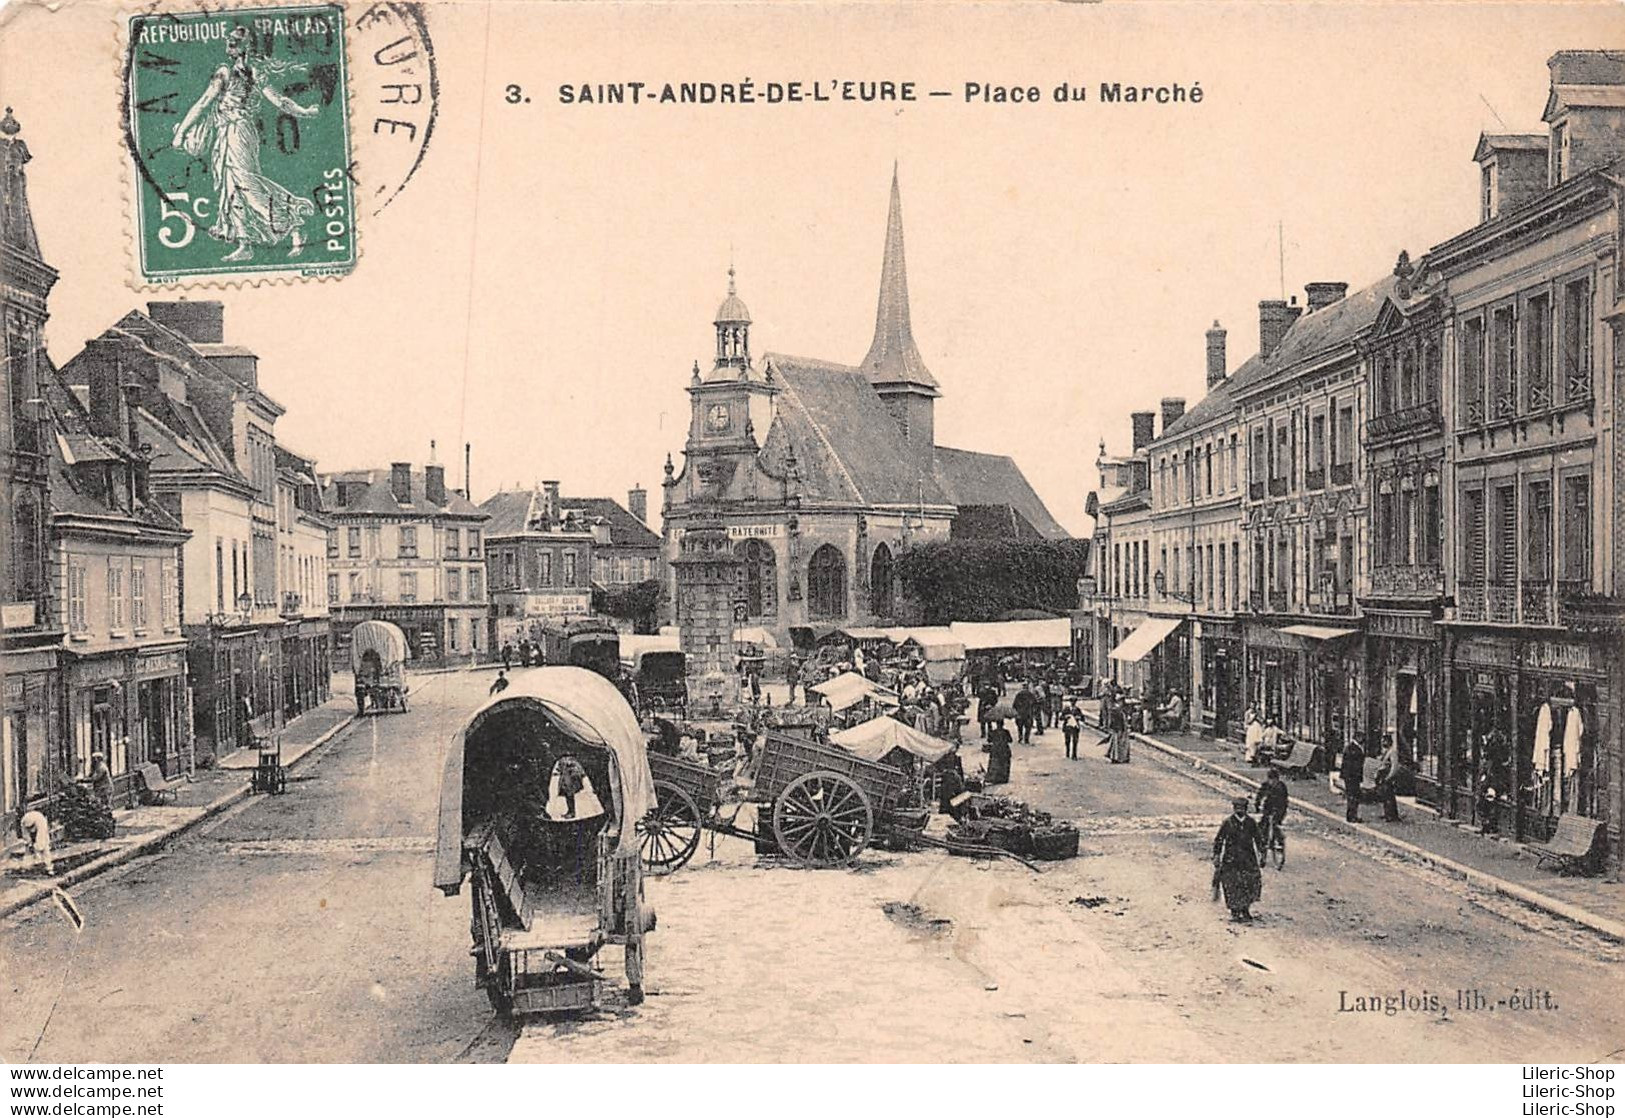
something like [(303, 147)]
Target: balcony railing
[(1535, 604), (1314, 479), (1416, 419), (1255, 490), (291, 604), (1342, 473), (1277, 487), (1334, 601), (1408, 582), (1277, 601)]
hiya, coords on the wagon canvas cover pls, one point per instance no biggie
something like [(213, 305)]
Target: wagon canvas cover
[(584, 705), (382, 637)]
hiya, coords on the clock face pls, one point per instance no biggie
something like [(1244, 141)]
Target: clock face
[(717, 417)]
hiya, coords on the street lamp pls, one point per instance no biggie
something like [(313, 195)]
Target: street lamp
[(1160, 581)]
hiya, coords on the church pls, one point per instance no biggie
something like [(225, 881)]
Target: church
[(822, 474)]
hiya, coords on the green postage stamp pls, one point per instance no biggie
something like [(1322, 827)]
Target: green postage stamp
[(238, 125)]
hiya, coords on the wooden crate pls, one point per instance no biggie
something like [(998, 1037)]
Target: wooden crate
[(700, 781), (784, 757)]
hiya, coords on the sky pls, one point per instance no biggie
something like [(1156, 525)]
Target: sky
[(542, 286)]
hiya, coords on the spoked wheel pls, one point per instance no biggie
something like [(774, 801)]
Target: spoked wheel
[(1278, 847), (823, 819), (670, 834)]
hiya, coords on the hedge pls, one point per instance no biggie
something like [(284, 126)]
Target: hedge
[(983, 580)]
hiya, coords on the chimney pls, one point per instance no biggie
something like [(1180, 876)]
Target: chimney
[(434, 484), (140, 473), (1143, 423), (202, 321), (637, 503), (1275, 317), (1321, 295), (103, 376), (1172, 408), (400, 482), (1215, 355), (550, 492)]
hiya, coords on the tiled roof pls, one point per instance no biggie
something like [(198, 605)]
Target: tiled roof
[(625, 530), (1318, 333), (1217, 403), (847, 447), (368, 491), (968, 479), (510, 511)]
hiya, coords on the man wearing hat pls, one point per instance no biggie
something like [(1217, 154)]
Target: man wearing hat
[(1238, 851)]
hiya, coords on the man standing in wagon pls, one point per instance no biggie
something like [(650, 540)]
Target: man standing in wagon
[(250, 209)]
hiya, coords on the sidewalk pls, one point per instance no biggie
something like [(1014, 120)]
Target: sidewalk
[(143, 829), (1499, 864)]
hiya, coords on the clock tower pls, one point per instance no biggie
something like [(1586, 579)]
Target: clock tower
[(732, 405)]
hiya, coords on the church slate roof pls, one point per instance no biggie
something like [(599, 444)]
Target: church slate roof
[(971, 479), (848, 448)]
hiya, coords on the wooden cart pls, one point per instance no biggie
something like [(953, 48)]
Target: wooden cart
[(815, 803), (539, 795)]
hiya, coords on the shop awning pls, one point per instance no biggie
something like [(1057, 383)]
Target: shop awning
[(1138, 644), (1317, 632)]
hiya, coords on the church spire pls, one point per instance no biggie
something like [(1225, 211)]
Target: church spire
[(893, 357)]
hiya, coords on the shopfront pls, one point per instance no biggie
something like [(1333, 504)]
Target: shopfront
[(1220, 692), (28, 725), (1306, 679), (1405, 694), (1149, 656), (1527, 717)]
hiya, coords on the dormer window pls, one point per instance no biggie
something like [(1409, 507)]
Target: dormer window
[(1487, 191)]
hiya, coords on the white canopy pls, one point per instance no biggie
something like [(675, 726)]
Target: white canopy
[(634, 643), (976, 636), (1152, 632), (877, 737), (756, 635), (382, 637), (582, 704), (849, 689)]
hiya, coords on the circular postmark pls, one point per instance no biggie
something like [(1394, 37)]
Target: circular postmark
[(397, 95)]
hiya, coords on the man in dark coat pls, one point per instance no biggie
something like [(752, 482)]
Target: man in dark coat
[(1237, 851), (986, 699), (1026, 707), (1353, 773)]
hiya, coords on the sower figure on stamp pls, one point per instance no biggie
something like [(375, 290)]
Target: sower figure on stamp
[(250, 209)]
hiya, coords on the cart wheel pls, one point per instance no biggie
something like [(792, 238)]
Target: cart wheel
[(669, 834), (823, 819)]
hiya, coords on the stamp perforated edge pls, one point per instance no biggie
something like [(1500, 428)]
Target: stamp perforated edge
[(130, 175)]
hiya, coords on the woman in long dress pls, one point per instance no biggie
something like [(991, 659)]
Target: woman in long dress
[(250, 209), (1237, 856)]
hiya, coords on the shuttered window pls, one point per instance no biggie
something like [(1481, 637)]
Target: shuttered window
[(1472, 520), (1505, 556), (1577, 529)]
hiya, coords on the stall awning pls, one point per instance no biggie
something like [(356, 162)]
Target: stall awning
[(1317, 632), (849, 689), (877, 737), (979, 636), (1138, 644)]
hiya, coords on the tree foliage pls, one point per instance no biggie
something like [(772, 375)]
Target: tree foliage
[(982, 580), (630, 603)]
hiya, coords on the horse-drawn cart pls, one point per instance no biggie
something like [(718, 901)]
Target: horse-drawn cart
[(815, 803), (539, 794)]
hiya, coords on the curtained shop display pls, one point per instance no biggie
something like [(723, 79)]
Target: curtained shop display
[(1526, 717)]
